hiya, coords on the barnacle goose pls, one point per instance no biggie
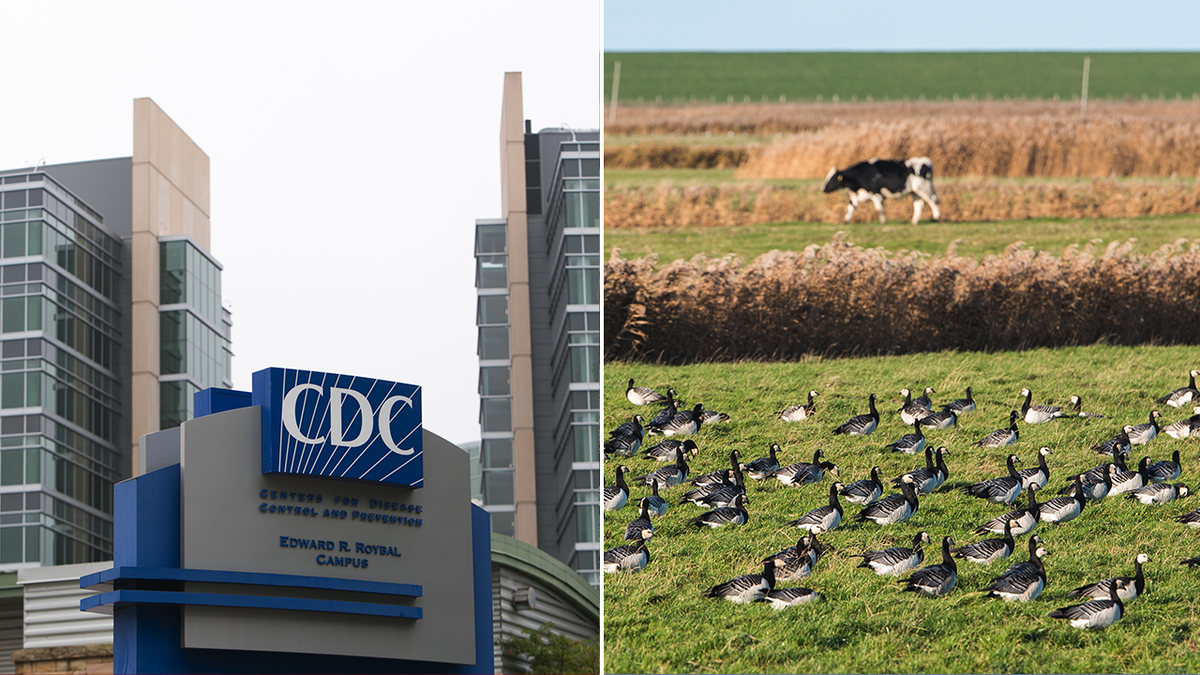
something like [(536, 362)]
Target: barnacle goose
[(1191, 562), (1001, 437), (642, 395), (924, 401), (669, 476), (806, 546), (725, 495), (861, 425), (1184, 395), (940, 420), (699, 493), (665, 451), (1191, 518), (658, 505), (626, 439), (912, 411), (1116, 445), (713, 417), (1039, 475), (801, 473), (1027, 518), (615, 496), (804, 473), (826, 517), (989, 550), (1077, 409), (1161, 472), (722, 476), (634, 428), (893, 508), (1158, 493), (896, 560), (747, 588), (1144, 433), (1128, 481), (1037, 414), (1021, 586), (800, 563), (935, 580), (931, 477), (734, 514), (961, 405), (1093, 490), (641, 527), (909, 444), (684, 423), (1027, 566), (1185, 428), (1094, 613), (1063, 509), (865, 491), (782, 598), (1001, 490), (764, 467), (799, 412), (1132, 586), (1096, 473), (628, 558), (668, 411)]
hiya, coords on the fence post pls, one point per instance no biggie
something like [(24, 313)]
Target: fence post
[(1087, 62), (612, 106)]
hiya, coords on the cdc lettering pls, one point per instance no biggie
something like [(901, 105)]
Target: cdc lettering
[(336, 434)]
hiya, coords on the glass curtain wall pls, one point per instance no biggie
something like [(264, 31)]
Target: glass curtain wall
[(495, 374), (59, 393)]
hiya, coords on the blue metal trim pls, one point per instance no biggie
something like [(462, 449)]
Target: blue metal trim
[(107, 577), (122, 598)]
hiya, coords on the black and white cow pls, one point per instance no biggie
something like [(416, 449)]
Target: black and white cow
[(876, 179)]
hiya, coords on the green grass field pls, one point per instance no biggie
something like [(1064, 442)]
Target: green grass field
[(656, 620), (977, 239), (672, 77)]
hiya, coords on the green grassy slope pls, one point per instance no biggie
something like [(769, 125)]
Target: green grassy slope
[(657, 621), (712, 76)]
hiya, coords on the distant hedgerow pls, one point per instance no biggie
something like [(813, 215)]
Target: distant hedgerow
[(839, 299)]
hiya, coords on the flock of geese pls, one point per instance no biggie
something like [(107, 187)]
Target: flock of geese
[(669, 438)]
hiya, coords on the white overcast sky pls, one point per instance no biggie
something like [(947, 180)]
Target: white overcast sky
[(888, 25), (352, 147)]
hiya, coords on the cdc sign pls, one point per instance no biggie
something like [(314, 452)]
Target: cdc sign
[(340, 426)]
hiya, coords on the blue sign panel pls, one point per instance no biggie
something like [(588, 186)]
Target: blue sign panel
[(340, 426)]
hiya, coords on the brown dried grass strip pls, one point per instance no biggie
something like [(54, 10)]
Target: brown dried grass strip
[(839, 299), (961, 201)]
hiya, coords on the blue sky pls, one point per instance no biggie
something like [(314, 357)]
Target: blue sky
[(926, 25)]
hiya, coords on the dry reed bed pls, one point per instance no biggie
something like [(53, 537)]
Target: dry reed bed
[(839, 300), (962, 201), (1011, 147), (790, 118), (670, 156)]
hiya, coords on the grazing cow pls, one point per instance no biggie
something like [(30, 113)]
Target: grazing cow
[(876, 179)]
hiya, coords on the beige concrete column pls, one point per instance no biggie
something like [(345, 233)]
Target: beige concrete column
[(512, 185), (170, 196)]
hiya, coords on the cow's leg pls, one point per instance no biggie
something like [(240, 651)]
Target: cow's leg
[(929, 197), (878, 199), (850, 209), (918, 205)]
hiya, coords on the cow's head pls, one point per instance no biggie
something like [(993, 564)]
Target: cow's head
[(833, 180)]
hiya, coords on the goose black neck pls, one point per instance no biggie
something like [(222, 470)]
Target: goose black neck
[(621, 482), (947, 560), (833, 498), (1012, 470), (910, 494), (1139, 578)]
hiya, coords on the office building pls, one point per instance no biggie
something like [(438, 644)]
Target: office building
[(538, 286), (111, 317)]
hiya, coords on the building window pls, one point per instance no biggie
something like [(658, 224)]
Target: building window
[(492, 271), (583, 338), (585, 425), (491, 239), (495, 414), (493, 310), (493, 342), (495, 381)]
